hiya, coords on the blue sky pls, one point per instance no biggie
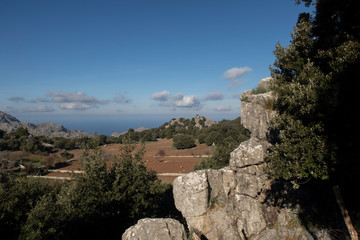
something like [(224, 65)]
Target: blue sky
[(87, 59)]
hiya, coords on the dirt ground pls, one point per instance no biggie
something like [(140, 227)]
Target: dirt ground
[(160, 156)]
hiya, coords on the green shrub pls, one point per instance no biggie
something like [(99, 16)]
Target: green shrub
[(67, 155), (183, 141), (260, 90)]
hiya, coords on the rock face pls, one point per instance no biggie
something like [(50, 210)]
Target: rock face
[(229, 203), (256, 110), (9, 123), (155, 229)]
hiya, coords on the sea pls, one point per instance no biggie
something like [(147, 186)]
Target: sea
[(106, 125)]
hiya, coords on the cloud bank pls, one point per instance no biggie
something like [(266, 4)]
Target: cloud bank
[(178, 100), (75, 100), (161, 96), (187, 102), (235, 72)]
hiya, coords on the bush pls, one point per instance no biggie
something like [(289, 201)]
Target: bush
[(101, 203), (183, 141), (67, 155), (161, 153), (226, 136)]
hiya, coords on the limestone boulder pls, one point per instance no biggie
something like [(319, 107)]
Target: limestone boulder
[(256, 112), (249, 153), (191, 193), (156, 229)]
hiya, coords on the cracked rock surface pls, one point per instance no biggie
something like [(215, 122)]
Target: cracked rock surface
[(156, 229), (227, 203)]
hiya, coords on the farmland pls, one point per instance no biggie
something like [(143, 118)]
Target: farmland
[(159, 156)]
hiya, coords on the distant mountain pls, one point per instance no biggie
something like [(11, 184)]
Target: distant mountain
[(174, 126), (9, 123), (197, 121)]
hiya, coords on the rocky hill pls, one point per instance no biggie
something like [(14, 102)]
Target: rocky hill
[(9, 123), (229, 203), (190, 126), (197, 121)]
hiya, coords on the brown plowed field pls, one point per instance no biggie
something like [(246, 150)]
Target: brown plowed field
[(171, 161)]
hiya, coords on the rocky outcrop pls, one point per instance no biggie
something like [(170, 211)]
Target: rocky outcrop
[(9, 123), (229, 203), (198, 121), (155, 229), (256, 110)]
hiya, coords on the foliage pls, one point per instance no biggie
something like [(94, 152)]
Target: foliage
[(317, 128), (161, 153), (20, 140), (226, 135), (67, 155), (183, 141), (260, 90), (18, 196), (100, 204)]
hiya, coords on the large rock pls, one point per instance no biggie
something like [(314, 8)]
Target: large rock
[(193, 191), (256, 110), (156, 229), (249, 153), (229, 203)]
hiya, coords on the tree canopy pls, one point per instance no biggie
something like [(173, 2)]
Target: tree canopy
[(316, 132), (101, 203), (316, 96)]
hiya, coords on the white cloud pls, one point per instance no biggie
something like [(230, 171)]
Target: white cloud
[(214, 96), (75, 100), (161, 96), (74, 97), (222, 108), (187, 102), (235, 72), (178, 100), (74, 106)]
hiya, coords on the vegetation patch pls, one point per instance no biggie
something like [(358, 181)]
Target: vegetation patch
[(260, 90), (183, 141)]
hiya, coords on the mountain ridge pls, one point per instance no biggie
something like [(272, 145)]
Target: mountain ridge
[(9, 123)]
